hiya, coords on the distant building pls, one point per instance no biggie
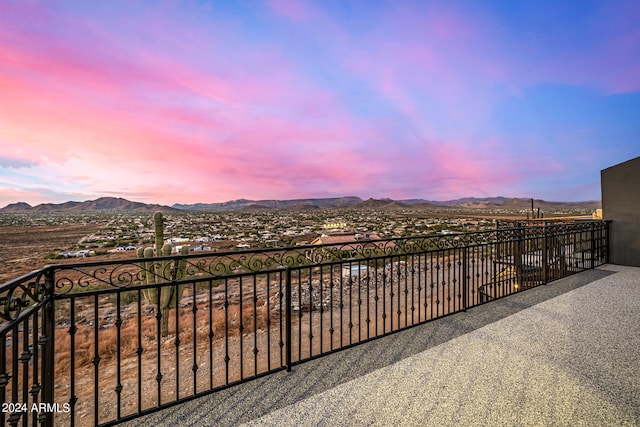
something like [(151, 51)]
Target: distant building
[(334, 225), (355, 270), (77, 254), (128, 247), (193, 247), (351, 242), (338, 239)]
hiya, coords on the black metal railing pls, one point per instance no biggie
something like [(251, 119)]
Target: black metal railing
[(101, 342)]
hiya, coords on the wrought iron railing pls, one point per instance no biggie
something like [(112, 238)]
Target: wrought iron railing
[(85, 345)]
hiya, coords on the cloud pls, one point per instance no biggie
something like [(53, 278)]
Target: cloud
[(7, 162)]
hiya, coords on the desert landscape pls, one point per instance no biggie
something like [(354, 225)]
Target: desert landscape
[(112, 361), (31, 237)]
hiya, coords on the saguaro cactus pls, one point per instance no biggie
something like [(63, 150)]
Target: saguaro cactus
[(163, 298)]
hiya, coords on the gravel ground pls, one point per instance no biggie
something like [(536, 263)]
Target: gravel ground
[(563, 354)]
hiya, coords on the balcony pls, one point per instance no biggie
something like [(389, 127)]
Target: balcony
[(563, 354), (103, 343)]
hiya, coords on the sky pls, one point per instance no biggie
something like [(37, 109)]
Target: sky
[(207, 101)]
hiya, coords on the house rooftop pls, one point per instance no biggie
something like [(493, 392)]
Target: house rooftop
[(563, 354), (345, 238)]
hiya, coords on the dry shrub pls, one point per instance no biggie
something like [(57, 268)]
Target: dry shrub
[(219, 321), (84, 345)]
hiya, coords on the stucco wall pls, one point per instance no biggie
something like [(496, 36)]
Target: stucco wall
[(621, 204)]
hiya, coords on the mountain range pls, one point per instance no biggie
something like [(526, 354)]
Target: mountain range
[(352, 202)]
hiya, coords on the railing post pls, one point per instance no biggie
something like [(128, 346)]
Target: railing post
[(606, 249), (545, 256), (46, 343), (288, 314), (517, 255), (465, 284), (593, 245)]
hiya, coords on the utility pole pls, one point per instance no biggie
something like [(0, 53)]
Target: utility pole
[(533, 213)]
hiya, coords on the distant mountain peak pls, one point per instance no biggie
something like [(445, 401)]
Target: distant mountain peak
[(16, 207)]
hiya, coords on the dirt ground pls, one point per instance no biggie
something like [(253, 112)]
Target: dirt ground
[(23, 248)]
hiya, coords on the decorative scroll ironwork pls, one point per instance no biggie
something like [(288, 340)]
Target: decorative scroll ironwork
[(21, 293)]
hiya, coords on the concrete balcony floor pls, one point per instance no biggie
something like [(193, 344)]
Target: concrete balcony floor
[(565, 354)]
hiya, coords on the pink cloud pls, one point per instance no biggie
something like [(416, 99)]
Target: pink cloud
[(138, 138)]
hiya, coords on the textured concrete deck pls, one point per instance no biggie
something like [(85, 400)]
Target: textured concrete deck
[(563, 354)]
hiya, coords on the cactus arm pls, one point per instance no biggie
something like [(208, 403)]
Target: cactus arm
[(158, 224), (143, 272), (153, 270), (151, 294), (178, 290), (182, 264), (165, 298)]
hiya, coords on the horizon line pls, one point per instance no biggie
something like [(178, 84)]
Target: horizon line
[(306, 198)]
